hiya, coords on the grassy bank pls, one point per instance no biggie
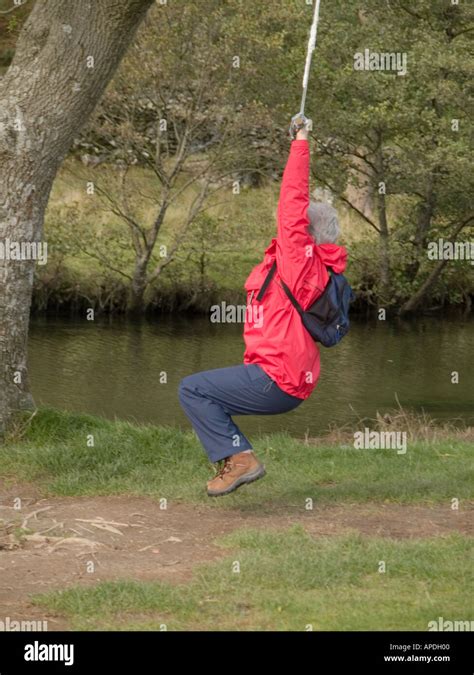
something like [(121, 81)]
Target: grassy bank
[(88, 243), (267, 578), (90, 250), (290, 581), (55, 451)]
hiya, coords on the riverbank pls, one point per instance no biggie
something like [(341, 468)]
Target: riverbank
[(77, 455), (108, 527), (92, 260)]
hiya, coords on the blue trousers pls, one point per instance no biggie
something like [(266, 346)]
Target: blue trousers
[(211, 397)]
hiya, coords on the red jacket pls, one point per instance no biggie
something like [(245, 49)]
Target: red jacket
[(275, 337)]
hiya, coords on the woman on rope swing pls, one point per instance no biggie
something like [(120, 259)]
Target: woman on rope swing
[(281, 361), (300, 296)]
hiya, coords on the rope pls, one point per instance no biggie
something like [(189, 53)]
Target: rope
[(309, 55)]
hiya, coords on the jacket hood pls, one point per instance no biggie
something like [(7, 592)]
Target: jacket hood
[(333, 256)]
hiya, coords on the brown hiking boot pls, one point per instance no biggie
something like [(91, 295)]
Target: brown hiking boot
[(236, 471)]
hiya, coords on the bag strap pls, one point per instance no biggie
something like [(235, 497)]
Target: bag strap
[(266, 283), (289, 294), (292, 298)]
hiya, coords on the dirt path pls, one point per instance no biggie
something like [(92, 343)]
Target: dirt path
[(133, 538)]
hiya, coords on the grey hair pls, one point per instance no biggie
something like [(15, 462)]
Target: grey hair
[(323, 223)]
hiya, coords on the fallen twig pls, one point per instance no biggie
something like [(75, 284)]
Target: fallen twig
[(34, 514)]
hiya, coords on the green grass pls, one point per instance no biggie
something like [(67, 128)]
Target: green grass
[(167, 462), (290, 581)]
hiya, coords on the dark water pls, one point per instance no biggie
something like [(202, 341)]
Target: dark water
[(113, 369)]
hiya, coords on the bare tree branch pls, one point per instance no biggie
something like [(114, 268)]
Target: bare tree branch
[(97, 256), (351, 205), (15, 6)]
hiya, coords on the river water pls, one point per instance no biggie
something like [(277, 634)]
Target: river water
[(114, 368)]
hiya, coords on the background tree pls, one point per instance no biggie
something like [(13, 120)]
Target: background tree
[(396, 135), (65, 55), (394, 150), (182, 107), (176, 109)]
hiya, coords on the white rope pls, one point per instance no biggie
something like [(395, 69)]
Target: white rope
[(309, 55)]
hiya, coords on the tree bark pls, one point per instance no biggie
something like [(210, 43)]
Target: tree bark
[(66, 54), (137, 288), (384, 233)]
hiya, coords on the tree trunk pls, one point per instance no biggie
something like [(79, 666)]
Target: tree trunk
[(417, 298), (384, 269), (423, 226), (137, 288), (361, 194), (66, 54), (384, 237)]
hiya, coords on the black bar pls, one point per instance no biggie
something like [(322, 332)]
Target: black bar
[(155, 652)]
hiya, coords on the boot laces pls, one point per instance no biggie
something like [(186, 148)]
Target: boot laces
[(225, 468)]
